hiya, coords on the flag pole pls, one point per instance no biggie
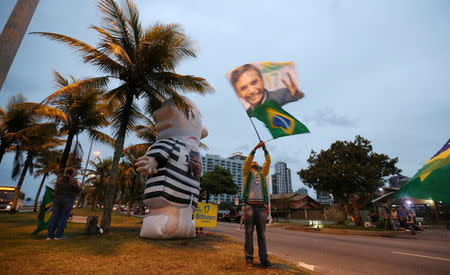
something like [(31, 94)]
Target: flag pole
[(254, 127)]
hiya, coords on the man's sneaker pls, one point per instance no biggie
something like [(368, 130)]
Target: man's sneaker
[(48, 239), (266, 263), (61, 238), (249, 263)]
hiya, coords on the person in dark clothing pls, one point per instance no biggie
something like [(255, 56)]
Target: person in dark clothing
[(410, 222), (66, 189), (373, 216)]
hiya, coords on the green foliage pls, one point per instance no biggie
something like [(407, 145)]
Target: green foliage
[(350, 171), (218, 181), (335, 215)]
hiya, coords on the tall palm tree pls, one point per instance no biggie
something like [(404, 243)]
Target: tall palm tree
[(144, 62), (84, 110)]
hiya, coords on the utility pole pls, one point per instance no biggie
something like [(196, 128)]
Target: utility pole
[(12, 34)]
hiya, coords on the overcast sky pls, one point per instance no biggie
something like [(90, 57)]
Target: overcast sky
[(379, 69)]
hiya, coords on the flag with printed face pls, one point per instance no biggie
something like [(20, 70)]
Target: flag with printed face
[(263, 88), (45, 211)]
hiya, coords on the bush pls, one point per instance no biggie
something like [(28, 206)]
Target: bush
[(335, 215)]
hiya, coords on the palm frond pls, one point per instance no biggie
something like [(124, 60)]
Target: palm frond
[(101, 137), (59, 80), (133, 21), (184, 82), (89, 83), (115, 22), (88, 53), (45, 111), (163, 46), (203, 146), (137, 149)]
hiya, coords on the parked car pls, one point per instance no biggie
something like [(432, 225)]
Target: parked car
[(223, 216), (139, 209), (235, 215)]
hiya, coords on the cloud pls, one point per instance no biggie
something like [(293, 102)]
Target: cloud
[(327, 116)]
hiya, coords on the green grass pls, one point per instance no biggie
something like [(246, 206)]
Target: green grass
[(121, 251)]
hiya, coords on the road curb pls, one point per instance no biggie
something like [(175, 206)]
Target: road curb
[(389, 234)]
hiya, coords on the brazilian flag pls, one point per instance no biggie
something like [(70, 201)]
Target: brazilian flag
[(279, 122), (46, 210), (432, 181)]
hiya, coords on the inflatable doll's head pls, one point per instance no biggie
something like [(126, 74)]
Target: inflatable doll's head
[(172, 122)]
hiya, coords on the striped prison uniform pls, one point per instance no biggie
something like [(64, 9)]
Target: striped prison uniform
[(178, 176)]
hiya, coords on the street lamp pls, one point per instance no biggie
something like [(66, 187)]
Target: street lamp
[(96, 154)]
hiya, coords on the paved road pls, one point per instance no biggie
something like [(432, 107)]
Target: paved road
[(427, 253)]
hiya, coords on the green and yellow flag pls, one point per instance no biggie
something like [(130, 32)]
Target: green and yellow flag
[(45, 211), (279, 122), (432, 181)]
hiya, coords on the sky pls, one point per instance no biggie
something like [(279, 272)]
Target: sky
[(379, 69)]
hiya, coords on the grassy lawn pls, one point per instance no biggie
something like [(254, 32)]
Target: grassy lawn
[(120, 252)]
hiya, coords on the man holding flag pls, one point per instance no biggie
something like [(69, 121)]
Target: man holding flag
[(255, 195)]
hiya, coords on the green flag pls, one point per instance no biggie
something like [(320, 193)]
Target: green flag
[(279, 122), (45, 211), (432, 181)]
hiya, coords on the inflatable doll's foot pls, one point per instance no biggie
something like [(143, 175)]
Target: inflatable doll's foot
[(177, 224), (152, 227)]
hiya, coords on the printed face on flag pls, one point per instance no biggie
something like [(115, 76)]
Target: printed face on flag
[(258, 82)]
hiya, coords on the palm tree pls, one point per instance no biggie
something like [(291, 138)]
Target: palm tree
[(47, 163), (143, 61), (130, 183), (84, 110), (23, 131), (18, 116), (98, 182), (37, 138)]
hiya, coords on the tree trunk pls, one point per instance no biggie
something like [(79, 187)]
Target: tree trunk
[(66, 153), (13, 33), (118, 147), (39, 192), (3, 147), (358, 220), (19, 184)]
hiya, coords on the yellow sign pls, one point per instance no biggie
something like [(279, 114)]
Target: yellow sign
[(205, 215)]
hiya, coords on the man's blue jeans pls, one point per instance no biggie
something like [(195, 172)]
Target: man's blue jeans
[(255, 216), (61, 212)]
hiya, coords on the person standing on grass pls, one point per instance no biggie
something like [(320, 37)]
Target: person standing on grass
[(255, 196), (202, 198), (66, 189)]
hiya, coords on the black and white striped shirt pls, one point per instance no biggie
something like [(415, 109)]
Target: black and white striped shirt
[(177, 179)]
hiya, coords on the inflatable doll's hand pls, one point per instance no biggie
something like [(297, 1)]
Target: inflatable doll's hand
[(146, 166)]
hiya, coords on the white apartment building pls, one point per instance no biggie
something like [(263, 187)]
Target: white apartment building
[(234, 164)]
